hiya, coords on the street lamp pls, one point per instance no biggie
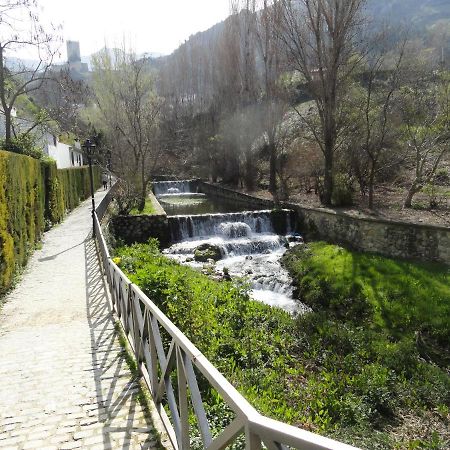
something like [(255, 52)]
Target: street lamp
[(89, 149), (108, 166)]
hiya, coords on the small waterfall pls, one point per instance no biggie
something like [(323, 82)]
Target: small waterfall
[(232, 225), (234, 229), (250, 244), (174, 187)]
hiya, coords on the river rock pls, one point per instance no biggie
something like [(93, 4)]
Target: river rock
[(295, 238), (205, 252)]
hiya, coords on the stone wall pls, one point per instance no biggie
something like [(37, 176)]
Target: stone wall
[(140, 229), (386, 237)]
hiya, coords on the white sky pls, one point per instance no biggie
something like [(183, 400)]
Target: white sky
[(146, 25)]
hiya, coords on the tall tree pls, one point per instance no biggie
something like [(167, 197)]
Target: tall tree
[(274, 104), (129, 108), (21, 28), (322, 42)]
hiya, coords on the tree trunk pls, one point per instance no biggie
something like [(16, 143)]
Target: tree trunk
[(329, 142), (412, 191), (371, 185), (273, 170), (143, 196), (7, 127), (249, 174), (328, 181)]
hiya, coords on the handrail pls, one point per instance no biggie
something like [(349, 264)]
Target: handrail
[(161, 368)]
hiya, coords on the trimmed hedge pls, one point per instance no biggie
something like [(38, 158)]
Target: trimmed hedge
[(33, 196)]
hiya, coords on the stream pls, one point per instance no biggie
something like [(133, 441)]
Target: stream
[(247, 242)]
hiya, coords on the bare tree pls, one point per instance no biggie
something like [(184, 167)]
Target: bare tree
[(63, 100), (20, 27), (129, 108), (373, 110), (322, 43), (425, 112), (274, 103)]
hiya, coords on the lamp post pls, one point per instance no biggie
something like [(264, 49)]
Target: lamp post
[(89, 149), (109, 168)]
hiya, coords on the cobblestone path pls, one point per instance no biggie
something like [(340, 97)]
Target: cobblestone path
[(64, 381)]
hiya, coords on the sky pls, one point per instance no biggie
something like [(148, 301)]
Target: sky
[(148, 26)]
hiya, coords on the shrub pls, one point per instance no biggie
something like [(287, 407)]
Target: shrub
[(33, 196), (24, 144), (342, 190)]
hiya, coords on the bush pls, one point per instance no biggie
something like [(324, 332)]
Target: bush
[(22, 199), (342, 190), (24, 144), (33, 196)]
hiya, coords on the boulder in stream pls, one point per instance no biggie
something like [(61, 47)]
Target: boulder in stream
[(207, 251)]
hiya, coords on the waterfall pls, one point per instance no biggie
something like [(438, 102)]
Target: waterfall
[(249, 244), (232, 225), (174, 187)]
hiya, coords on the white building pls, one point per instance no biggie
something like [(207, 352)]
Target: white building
[(65, 155)]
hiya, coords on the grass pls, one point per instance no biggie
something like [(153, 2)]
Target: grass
[(148, 209), (364, 366), (403, 296)]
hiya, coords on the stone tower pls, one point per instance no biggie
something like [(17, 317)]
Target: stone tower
[(73, 52)]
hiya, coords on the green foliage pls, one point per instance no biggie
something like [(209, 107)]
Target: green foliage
[(33, 196), (246, 340), (342, 190), (75, 185), (24, 144), (148, 209), (21, 212), (345, 369), (377, 336), (348, 369)]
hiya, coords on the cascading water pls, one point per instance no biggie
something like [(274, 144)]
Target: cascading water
[(173, 187), (251, 244), (259, 222)]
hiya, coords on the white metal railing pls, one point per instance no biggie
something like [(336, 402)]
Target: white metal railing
[(166, 357)]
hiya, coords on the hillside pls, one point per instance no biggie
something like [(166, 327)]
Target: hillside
[(417, 13)]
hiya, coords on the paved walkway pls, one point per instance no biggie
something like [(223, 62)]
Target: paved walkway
[(64, 382)]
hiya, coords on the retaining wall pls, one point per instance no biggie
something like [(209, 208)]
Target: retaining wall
[(386, 237), (139, 229)]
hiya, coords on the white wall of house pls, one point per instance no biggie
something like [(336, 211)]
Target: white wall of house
[(65, 155)]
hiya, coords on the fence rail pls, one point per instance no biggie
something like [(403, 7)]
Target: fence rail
[(171, 366)]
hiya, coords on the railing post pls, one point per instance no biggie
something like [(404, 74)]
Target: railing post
[(183, 402), (252, 441)]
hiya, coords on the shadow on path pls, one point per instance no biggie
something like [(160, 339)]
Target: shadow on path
[(125, 424), (52, 257)]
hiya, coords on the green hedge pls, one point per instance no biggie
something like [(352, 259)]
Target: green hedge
[(33, 196)]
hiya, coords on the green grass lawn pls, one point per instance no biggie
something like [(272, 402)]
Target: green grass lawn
[(401, 296), (148, 209)]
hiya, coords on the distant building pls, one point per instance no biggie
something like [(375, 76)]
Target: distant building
[(73, 52), (74, 58)]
